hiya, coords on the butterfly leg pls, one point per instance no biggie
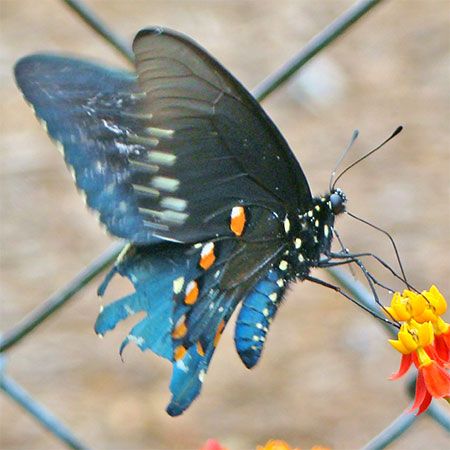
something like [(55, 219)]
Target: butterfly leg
[(371, 280), (349, 297), (342, 255), (329, 263)]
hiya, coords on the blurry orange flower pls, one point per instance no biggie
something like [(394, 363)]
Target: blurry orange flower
[(212, 444), (275, 444)]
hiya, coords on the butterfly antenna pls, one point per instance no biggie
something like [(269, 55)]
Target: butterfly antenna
[(392, 136), (343, 154), (394, 245)]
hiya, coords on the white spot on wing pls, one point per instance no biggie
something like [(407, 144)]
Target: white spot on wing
[(146, 190), (207, 248), (44, 125), (165, 183), (136, 139), (287, 225), (144, 165), (160, 132), (177, 204), (174, 217), (182, 366), (165, 159), (139, 340), (178, 285), (60, 147), (236, 211)]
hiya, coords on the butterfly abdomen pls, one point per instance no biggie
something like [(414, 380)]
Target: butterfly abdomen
[(256, 314)]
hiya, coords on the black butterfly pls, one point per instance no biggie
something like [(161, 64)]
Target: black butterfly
[(182, 162)]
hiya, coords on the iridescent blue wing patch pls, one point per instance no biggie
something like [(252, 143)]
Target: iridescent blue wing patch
[(88, 109)]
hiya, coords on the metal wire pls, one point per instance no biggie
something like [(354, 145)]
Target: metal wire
[(60, 298), (39, 413), (314, 46), (96, 24)]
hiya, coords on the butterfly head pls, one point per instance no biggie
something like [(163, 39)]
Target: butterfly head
[(338, 201)]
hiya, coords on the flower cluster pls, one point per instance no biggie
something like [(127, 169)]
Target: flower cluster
[(272, 444), (423, 340)]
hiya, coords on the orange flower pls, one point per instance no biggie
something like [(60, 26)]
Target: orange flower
[(432, 381), (423, 340), (442, 339)]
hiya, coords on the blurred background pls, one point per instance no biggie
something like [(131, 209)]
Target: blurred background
[(323, 376)]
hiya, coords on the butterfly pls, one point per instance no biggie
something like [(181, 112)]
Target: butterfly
[(180, 160)]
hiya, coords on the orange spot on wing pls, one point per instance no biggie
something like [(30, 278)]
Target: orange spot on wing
[(207, 256), (238, 219), (179, 352), (180, 330), (219, 333), (191, 293), (200, 350)]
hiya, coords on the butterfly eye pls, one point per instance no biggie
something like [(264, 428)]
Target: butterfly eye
[(337, 200)]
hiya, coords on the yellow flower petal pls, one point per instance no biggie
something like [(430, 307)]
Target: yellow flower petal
[(399, 307), (427, 316), (426, 334), (418, 304), (401, 311), (391, 312), (440, 326), (399, 346), (437, 300), (407, 340)]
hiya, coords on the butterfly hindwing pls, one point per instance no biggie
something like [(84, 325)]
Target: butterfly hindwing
[(188, 293)]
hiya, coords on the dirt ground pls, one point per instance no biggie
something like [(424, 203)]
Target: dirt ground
[(323, 375)]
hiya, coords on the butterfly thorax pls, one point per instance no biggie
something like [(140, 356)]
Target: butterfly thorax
[(311, 233)]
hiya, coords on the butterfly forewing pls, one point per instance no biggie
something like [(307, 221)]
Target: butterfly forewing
[(171, 155), (218, 132)]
